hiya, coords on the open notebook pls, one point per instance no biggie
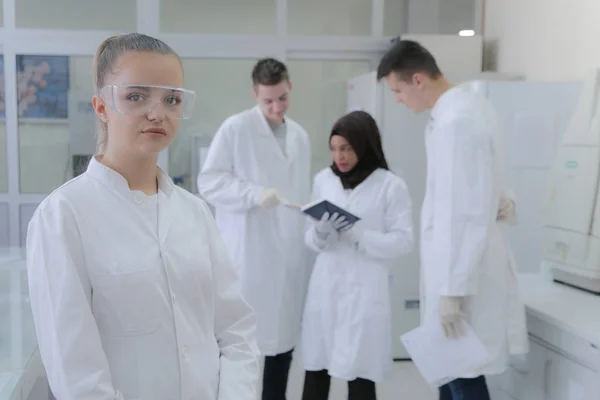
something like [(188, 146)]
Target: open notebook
[(317, 208)]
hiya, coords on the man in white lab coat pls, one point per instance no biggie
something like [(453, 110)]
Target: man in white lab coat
[(468, 272), (258, 160)]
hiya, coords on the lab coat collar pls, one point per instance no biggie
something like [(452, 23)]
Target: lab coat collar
[(266, 130), (445, 102), (116, 180)]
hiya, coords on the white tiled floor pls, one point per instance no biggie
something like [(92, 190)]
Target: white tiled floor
[(406, 384)]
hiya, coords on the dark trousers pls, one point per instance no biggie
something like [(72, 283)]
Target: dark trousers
[(275, 377), (316, 387), (465, 389)]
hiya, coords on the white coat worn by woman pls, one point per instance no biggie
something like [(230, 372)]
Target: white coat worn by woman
[(464, 250), (266, 244), (132, 291), (347, 319)]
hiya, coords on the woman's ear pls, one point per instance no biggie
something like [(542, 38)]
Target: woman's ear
[(100, 108)]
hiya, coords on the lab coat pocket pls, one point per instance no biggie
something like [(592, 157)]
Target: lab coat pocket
[(126, 304)]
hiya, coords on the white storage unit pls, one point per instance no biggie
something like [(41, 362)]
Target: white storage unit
[(564, 335)]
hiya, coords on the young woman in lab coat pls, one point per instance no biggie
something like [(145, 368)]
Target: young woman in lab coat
[(347, 321), (133, 294)]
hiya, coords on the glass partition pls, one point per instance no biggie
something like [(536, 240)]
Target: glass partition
[(105, 15), (319, 99), (329, 17), (56, 123), (218, 16), (223, 88)]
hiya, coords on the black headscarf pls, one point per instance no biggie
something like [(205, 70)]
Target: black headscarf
[(362, 133)]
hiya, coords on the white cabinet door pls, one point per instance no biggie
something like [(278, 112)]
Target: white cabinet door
[(526, 381), (568, 380)]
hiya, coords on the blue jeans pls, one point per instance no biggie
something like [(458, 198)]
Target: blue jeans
[(465, 389)]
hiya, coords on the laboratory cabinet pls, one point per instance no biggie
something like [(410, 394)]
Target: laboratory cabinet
[(563, 361)]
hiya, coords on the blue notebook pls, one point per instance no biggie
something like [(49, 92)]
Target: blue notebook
[(316, 210)]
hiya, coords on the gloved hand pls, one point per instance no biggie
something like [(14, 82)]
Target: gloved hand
[(506, 211), (270, 198), (452, 316), (330, 224)]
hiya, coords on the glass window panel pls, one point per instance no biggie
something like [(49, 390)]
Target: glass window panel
[(56, 126), (441, 17), (218, 16), (457, 15), (223, 88), (3, 161), (319, 99), (394, 17), (329, 17), (106, 15)]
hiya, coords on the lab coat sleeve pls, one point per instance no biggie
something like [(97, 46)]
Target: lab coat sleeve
[(235, 324), (311, 239), (463, 206), (397, 238), (218, 184), (60, 296)]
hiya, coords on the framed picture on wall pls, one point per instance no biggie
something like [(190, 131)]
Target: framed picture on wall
[(42, 87)]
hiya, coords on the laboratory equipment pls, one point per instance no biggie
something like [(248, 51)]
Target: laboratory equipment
[(572, 231), (199, 148), (82, 132), (532, 112)]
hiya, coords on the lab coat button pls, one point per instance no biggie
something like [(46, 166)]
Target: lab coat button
[(184, 352), (173, 298), (138, 199)]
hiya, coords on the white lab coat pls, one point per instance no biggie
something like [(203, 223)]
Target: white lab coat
[(266, 245), (123, 314), (347, 319), (464, 250)]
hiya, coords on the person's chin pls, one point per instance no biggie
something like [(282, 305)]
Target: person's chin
[(156, 144)]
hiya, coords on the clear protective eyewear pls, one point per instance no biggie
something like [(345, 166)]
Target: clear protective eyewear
[(139, 100)]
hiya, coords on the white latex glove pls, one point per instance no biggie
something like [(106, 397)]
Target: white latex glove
[(506, 211), (270, 198), (452, 316)]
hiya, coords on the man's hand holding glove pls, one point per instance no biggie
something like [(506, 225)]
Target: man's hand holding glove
[(506, 210), (270, 198), (452, 316)]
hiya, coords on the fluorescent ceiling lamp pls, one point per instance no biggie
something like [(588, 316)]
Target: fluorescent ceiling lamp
[(466, 32)]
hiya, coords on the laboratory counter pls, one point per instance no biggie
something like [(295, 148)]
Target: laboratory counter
[(22, 376), (564, 334)]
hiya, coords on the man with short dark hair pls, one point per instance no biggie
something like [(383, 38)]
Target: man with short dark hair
[(260, 161), (468, 272)]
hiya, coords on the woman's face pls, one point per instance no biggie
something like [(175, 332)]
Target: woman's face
[(139, 116), (342, 153)]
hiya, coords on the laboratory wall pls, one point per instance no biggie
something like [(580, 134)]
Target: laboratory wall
[(542, 39), (223, 85)]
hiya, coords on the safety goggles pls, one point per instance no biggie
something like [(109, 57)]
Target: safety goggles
[(139, 100)]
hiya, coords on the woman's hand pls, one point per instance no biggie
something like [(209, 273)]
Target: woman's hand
[(330, 224)]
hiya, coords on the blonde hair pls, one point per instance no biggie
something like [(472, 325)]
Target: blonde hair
[(107, 55)]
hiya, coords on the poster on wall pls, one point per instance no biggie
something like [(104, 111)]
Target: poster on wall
[(42, 86)]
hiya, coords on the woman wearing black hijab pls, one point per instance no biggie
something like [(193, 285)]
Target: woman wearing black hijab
[(347, 320)]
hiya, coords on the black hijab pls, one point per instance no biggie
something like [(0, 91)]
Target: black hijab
[(362, 133)]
